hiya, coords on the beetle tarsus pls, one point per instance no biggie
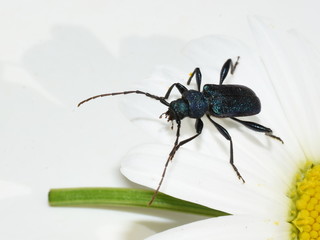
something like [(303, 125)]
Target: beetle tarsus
[(269, 134), (237, 172)]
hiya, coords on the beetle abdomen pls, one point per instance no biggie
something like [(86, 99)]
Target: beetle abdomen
[(231, 100)]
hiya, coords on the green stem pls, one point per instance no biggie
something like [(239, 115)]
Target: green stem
[(125, 197)]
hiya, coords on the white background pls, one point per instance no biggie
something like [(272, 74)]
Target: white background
[(54, 54)]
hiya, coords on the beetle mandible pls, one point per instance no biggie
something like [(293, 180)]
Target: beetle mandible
[(215, 100)]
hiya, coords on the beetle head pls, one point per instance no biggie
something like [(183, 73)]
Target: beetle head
[(178, 109)]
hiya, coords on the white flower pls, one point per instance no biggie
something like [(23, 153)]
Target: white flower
[(286, 78)]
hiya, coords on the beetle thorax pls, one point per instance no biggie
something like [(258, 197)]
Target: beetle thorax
[(197, 103)]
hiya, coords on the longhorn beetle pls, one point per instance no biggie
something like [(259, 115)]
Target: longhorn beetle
[(215, 100)]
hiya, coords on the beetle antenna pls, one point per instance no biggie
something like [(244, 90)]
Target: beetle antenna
[(161, 99)]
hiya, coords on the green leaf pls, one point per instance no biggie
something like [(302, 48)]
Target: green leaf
[(97, 197)]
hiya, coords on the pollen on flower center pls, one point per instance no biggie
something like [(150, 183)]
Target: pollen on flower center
[(306, 203)]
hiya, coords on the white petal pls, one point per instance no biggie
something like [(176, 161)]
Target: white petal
[(229, 228), (293, 66), (205, 180)]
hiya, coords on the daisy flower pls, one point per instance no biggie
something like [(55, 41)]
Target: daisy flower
[(281, 196)]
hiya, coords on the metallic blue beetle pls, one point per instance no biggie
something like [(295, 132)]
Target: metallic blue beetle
[(217, 100)]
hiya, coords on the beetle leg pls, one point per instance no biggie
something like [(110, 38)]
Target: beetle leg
[(177, 145), (179, 86), (199, 127), (225, 69), (198, 75), (258, 128), (166, 165), (225, 133)]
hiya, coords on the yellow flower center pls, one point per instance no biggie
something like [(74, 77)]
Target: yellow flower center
[(306, 209)]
